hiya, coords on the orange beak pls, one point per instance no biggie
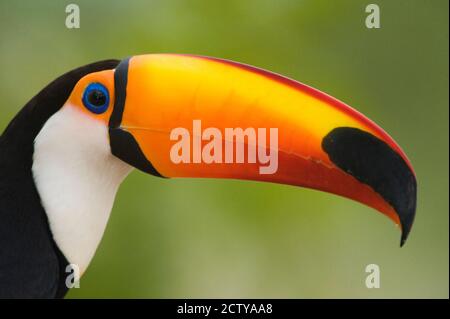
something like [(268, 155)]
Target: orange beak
[(192, 116)]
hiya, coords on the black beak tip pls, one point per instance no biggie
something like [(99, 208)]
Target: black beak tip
[(403, 239), (408, 213), (374, 163)]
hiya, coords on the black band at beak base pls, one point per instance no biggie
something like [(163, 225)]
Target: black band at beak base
[(120, 90), (125, 147), (123, 144)]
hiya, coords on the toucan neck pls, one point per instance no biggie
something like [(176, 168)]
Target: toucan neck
[(77, 178)]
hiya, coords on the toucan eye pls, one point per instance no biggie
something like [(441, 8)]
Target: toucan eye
[(96, 98)]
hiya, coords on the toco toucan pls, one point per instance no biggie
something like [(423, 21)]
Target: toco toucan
[(64, 155)]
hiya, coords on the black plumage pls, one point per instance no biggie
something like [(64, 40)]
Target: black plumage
[(31, 265)]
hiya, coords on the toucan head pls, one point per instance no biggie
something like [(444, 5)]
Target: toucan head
[(173, 115)]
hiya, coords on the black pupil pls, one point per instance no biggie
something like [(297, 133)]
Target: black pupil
[(97, 98)]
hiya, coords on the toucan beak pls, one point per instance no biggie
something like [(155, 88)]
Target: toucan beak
[(192, 116)]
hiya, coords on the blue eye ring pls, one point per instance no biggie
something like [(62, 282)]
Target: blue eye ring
[(96, 98)]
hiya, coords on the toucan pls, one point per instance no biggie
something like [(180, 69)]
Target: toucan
[(64, 155)]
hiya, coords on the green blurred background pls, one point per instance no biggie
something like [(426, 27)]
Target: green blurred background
[(215, 238)]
